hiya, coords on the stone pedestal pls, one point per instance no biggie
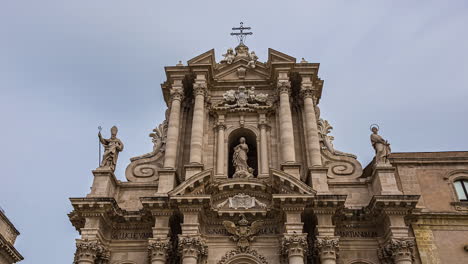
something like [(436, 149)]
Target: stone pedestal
[(293, 169), (317, 178), (167, 180), (104, 184), (383, 180)]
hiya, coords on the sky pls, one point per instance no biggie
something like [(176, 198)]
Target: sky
[(67, 67)]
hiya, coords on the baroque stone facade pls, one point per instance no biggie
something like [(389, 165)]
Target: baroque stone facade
[(243, 170), (8, 235)]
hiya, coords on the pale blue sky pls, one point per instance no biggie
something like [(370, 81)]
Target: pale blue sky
[(68, 66)]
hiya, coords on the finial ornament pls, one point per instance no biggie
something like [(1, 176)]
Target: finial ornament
[(380, 145), (112, 147), (241, 35)]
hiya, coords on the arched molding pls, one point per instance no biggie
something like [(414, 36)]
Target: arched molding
[(359, 261), (453, 176), (124, 262), (192, 183), (248, 256), (285, 180), (252, 128)]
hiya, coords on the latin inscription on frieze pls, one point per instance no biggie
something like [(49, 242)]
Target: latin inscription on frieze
[(223, 231), (356, 233), (131, 235)]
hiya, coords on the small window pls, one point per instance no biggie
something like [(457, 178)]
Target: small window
[(461, 187)]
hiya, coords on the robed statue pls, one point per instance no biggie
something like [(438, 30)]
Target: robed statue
[(380, 145), (239, 160), (112, 147)]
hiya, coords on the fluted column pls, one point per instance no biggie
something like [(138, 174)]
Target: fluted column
[(294, 247), (263, 148), (174, 125), (158, 250), (199, 90), (327, 250), (313, 140), (286, 124), (220, 149)]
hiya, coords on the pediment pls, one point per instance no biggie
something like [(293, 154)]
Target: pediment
[(275, 56), (240, 70), (203, 59)]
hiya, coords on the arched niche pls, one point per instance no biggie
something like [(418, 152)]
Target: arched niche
[(252, 155)]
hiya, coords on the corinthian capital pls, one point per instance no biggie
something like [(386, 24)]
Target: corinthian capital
[(326, 248), (89, 251), (284, 86), (158, 249), (177, 93), (396, 250), (294, 245), (199, 88), (194, 247)]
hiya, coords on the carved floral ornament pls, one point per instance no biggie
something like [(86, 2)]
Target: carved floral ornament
[(396, 250), (192, 246), (244, 99), (294, 245), (90, 250), (326, 247)]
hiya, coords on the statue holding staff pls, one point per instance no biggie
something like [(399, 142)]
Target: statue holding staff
[(112, 147)]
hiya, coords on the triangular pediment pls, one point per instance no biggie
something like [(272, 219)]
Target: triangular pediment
[(203, 59), (241, 70), (275, 56)]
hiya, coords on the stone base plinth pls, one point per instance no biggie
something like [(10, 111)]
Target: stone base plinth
[(293, 169), (167, 180), (192, 169), (317, 178), (104, 184), (384, 181)]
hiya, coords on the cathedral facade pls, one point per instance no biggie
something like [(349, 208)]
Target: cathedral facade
[(243, 171)]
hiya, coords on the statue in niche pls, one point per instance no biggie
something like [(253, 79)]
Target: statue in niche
[(380, 145), (112, 147), (228, 57), (239, 160)]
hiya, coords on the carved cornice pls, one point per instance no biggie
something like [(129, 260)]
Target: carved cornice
[(392, 204), (192, 246), (396, 250), (294, 245), (326, 248), (10, 250)]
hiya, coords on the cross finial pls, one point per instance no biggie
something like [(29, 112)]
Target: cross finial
[(241, 35)]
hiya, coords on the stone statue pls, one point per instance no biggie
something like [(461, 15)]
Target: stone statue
[(253, 59), (239, 160), (244, 98), (112, 147), (229, 56), (381, 146)]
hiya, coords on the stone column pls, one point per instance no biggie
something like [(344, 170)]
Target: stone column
[(398, 251), (327, 249), (174, 125), (220, 148), (158, 250), (285, 119), (196, 144), (313, 141), (294, 247), (192, 248), (263, 149)]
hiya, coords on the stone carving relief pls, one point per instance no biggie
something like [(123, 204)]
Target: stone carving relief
[(242, 51), (242, 201), (294, 245), (192, 247), (380, 145), (326, 248), (243, 233), (340, 164), (243, 99), (112, 147), (159, 249), (91, 251), (247, 256), (145, 168)]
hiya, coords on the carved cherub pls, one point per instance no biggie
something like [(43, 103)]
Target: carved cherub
[(242, 232), (253, 59)]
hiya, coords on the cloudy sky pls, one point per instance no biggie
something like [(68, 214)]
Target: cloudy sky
[(68, 66)]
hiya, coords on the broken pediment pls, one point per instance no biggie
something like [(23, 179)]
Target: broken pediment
[(203, 59), (275, 56)]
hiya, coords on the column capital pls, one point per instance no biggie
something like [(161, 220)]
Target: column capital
[(88, 251), (177, 93), (326, 248), (396, 251), (199, 88), (283, 86), (220, 126), (263, 125), (294, 245), (159, 249), (192, 246)]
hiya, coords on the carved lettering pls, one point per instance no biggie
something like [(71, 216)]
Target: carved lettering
[(351, 233), (126, 235)]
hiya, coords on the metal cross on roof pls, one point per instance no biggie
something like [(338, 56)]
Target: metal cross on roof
[(241, 36)]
